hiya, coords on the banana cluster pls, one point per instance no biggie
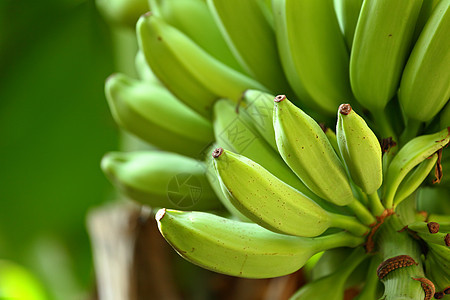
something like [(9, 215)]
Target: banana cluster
[(265, 185)]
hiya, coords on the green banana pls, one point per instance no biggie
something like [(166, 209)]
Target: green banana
[(215, 185), (259, 107), (413, 153), (143, 70), (347, 12), (145, 109), (307, 151), (332, 287), (440, 238), (271, 203), (193, 18), (360, 149), (313, 52), (161, 179), (192, 75), (424, 227), (425, 12), (415, 178), (239, 248), (255, 47), (425, 83), (380, 49), (334, 143), (234, 130)]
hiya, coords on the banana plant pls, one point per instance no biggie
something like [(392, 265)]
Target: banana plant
[(310, 126)]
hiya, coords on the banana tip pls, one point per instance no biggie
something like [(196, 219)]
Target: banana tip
[(160, 214), (279, 98), (345, 109), (147, 14), (217, 152), (447, 242)]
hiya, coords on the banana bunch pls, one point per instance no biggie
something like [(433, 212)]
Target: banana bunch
[(266, 185)]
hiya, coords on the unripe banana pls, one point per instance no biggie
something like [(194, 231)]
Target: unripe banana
[(413, 153), (425, 12), (415, 178), (271, 203), (380, 49), (424, 227), (347, 12), (215, 185), (161, 179), (255, 47), (360, 149), (234, 130), (143, 70), (144, 109), (307, 151), (259, 107), (193, 18), (425, 84), (194, 76), (332, 287), (439, 239), (313, 52), (239, 248)]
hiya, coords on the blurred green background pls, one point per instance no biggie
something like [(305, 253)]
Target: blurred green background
[(54, 128)]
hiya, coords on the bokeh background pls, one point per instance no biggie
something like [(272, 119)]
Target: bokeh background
[(54, 128)]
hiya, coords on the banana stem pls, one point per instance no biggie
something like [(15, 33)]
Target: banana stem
[(351, 224), (411, 130), (362, 213), (399, 283), (375, 204), (336, 240), (383, 125)]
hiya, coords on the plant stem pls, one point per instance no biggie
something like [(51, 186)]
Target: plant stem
[(336, 240), (399, 283), (375, 204), (412, 127), (348, 223), (362, 213), (384, 125)]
